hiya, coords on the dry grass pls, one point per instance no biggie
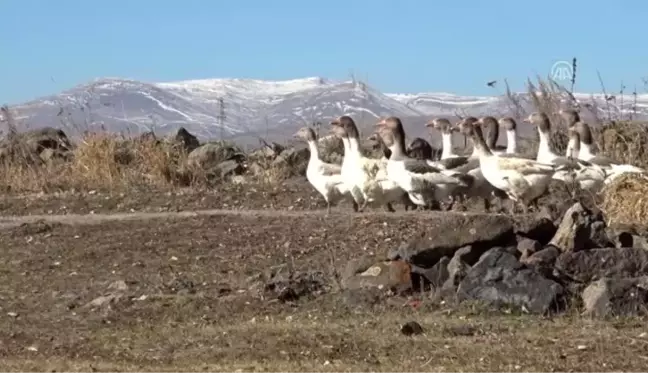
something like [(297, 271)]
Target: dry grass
[(625, 200), (361, 342), (100, 161)]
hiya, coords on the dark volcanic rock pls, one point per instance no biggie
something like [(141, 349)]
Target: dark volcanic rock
[(616, 296), (527, 247), (538, 228), (435, 276), (591, 265), (452, 231), (499, 279), (577, 229)]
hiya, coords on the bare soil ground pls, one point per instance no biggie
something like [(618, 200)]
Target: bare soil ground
[(189, 294)]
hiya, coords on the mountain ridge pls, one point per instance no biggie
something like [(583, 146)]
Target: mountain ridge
[(252, 107)]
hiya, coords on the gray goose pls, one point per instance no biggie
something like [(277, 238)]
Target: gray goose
[(425, 184)]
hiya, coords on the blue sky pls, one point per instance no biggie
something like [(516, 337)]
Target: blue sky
[(399, 46)]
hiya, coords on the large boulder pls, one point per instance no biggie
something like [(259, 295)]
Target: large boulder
[(616, 297), (580, 229), (591, 265), (447, 232), (499, 279)]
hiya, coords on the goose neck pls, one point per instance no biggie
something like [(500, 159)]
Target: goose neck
[(354, 145), (314, 151), (446, 141), (544, 148), (511, 141), (585, 151)]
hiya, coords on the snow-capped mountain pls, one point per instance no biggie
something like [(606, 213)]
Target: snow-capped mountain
[(251, 107)]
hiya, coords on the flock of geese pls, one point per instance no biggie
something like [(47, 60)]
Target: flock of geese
[(412, 177)]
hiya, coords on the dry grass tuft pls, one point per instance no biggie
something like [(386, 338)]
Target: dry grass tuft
[(100, 161), (625, 142), (625, 200)]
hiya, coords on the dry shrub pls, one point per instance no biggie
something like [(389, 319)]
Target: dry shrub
[(100, 161), (625, 142), (625, 200)]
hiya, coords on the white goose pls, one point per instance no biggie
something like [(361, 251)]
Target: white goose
[(548, 156), (449, 159), (326, 178), (571, 117), (424, 183), (492, 127), (523, 180), (362, 175), (480, 187), (586, 153)]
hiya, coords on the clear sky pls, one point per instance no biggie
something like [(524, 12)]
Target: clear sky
[(399, 45)]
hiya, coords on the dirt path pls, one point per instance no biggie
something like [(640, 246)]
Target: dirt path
[(83, 219)]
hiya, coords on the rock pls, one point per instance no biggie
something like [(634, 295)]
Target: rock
[(412, 328), (394, 275), (210, 155), (367, 297), (616, 296), (627, 239), (545, 257), (357, 265), (499, 279), (433, 277), (591, 265), (527, 247), (598, 236), (446, 232), (119, 285), (104, 300), (538, 228), (28, 146), (293, 286), (457, 268), (188, 141), (228, 168), (574, 230)]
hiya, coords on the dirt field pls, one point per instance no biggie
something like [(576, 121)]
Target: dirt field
[(191, 293)]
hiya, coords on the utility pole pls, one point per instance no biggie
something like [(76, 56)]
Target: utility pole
[(221, 116)]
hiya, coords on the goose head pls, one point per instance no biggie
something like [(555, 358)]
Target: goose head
[(442, 125), (491, 126), (470, 127), (392, 133), (508, 123), (540, 120), (420, 149), (344, 127), (466, 126), (584, 133), (570, 116), (305, 133)]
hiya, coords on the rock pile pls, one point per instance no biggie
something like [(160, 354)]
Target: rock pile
[(533, 264)]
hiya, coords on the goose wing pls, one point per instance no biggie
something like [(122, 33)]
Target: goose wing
[(419, 166), (603, 161), (525, 166), (451, 163), (329, 169)]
